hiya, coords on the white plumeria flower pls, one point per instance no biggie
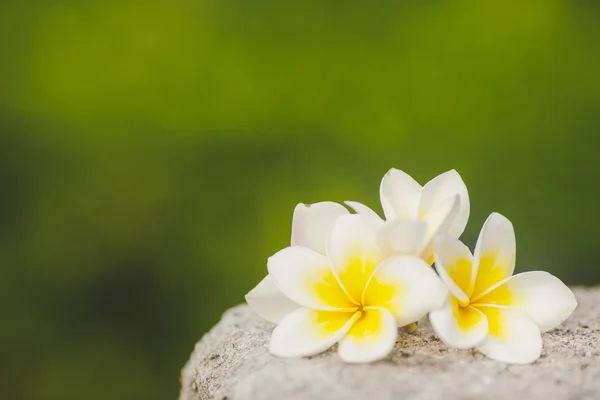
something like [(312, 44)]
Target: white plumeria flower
[(310, 226), (350, 296), (441, 206), (488, 308)]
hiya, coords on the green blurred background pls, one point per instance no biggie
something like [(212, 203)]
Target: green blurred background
[(152, 152)]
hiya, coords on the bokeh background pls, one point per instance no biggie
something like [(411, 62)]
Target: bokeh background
[(152, 152)]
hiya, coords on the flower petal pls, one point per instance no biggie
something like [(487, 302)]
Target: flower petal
[(454, 262), (494, 253), (439, 218), (269, 302), (459, 327), (366, 212), (400, 195), (438, 221), (437, 190), (541, 295), (452, 287), (513, 337), (402, 236), (306, 332), (353, 253), (371, 338), (407, 286), (305, 277), (311, 224)]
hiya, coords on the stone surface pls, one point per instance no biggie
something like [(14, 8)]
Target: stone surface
[(231, 362)]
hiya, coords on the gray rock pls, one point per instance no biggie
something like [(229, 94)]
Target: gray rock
[(232, 362)]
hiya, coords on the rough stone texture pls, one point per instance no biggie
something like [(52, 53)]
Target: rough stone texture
[(231, 362)]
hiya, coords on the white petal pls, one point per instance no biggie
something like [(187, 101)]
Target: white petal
[(459, 327), (311, 224), (402, 236), (400, 195), (407, 286), (454, 262), (306, 332), (439, 220), (437, 190), (306, 278), (495, 253), (513, 337), (353, 253), (541, 295), (269, 302), (371, 338), (366, 212), (452, 287)]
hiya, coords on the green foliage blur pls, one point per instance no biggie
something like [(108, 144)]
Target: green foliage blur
[(152, 152)]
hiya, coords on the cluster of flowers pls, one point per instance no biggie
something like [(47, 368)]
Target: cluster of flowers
[(354, 279)]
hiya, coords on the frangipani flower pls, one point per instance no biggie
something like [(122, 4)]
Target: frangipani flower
[(441, 206), (350, 295), (488, 308), (310, 226)]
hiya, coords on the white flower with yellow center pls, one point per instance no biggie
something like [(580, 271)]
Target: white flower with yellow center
[(350, 295), (488, 308), (441, 206)]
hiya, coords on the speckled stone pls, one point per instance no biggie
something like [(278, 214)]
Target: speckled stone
[(231, 362)]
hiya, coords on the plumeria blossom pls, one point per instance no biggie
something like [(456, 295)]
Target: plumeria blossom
[(488, 308), (419, 212), (311, 224), (352, 295)]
